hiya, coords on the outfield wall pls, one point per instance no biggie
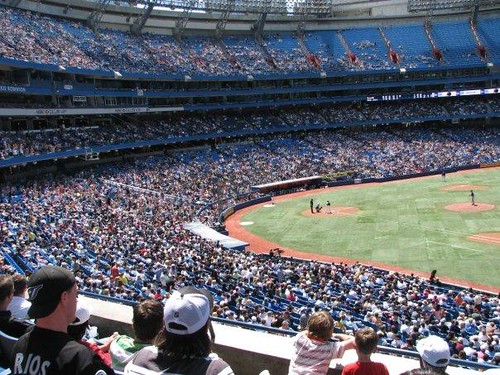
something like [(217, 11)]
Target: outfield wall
[(405, 177)]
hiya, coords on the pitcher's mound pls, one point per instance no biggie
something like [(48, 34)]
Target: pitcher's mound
[(492, 238), (463, 187), (335, 211), (467, 207)]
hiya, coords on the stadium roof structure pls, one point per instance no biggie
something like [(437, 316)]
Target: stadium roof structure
[(282, 7), (431, 5)]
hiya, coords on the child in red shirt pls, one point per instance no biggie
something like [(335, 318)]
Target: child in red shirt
[(366, 343)]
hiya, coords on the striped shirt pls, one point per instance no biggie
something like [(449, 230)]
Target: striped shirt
[(313, 357)]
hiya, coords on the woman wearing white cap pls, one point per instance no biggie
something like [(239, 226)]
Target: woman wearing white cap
[(184, 345)]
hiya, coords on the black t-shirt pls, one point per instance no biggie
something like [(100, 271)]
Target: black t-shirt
[(46, 352), (11, 326)]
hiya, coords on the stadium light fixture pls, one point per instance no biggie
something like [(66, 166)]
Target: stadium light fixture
[(291, 7), (426, 5)]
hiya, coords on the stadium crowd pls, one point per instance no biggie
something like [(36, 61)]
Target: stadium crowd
[(120, 229), (23, 142), (33, 37)]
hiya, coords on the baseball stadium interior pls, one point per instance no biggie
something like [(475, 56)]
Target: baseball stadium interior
[(130, 130)]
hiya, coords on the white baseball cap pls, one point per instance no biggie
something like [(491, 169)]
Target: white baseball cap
[(187, 311), (82, 313), (434, 351)]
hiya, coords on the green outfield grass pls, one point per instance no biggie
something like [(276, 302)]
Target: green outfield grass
[(401, 223)]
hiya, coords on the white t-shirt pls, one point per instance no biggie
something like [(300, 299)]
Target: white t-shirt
[(19, 307)]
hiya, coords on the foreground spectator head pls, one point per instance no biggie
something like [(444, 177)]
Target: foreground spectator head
[(45, 289), (320, 325), (147, 319), (20, 284), (187, 312), (147, 322), (434, 353), (78, 327), (19, 305), (366, 340), (6, 290), (184, 345)]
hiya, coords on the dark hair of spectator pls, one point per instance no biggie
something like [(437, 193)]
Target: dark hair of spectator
[(20, 284), (147, 319), (366, 340), (320, 325), (6, 286), (176, 347), (78, 331)]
